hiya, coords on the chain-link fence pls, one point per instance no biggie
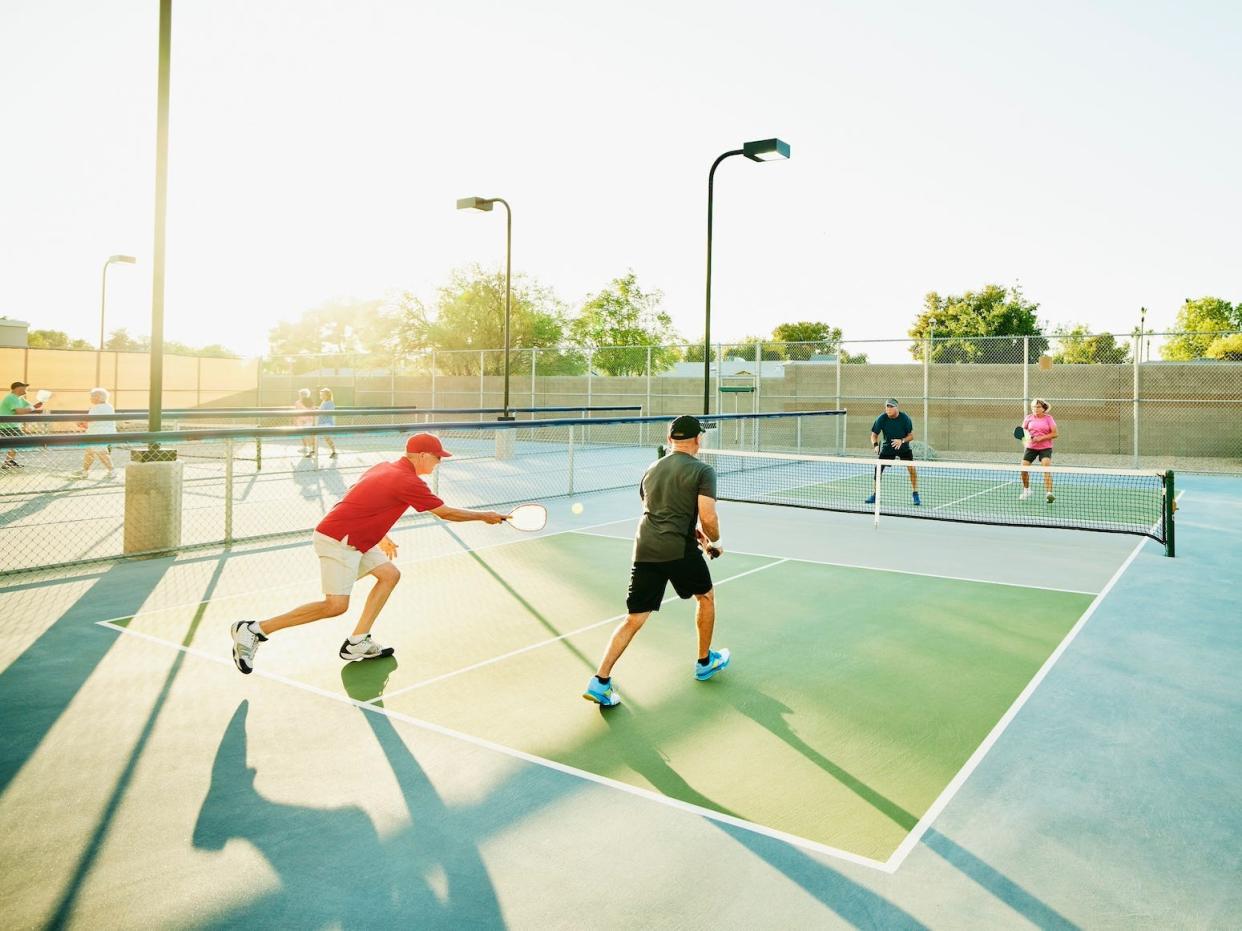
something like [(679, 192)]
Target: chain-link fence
[(72, 497), (1121, 400)]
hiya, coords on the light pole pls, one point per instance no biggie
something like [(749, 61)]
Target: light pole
[(764, 150), (485, 203), (103, 298)]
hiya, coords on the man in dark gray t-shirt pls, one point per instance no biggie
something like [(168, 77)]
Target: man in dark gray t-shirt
[(679, 515)]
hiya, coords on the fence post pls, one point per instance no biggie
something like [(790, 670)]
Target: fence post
[(838, 428), (533, 363), (433, 379), (571, 459), (1026, 375), (757, 398), (719, 373), (647, 406), (392, 383), (481, 364), (927, 397), (1135, 415), (228, 490)]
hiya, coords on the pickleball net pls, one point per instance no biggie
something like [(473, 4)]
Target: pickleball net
[(1135, 502)]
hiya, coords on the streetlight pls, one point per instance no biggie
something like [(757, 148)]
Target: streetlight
[(763, 150), (485, 203), (103, 297)]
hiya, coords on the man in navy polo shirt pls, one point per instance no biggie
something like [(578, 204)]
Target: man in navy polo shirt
[(891, 436), (352, 541)]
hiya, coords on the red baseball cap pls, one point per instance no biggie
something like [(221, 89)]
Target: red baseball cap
[(426, 443)]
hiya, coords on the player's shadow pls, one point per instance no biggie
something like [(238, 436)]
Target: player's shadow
[(334, 868), (770, 714), (638, 749)]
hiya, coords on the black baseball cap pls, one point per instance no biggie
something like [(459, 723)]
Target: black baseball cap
[(18, 384), (685, 427)]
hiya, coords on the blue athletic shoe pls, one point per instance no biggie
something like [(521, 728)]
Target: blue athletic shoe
[(917, 502), (601, 694), (870, 499), (715, 663)]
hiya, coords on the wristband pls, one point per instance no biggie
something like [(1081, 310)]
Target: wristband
[(714, 543)]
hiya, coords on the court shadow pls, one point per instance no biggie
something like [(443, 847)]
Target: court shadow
[(37, 687), (517, 596), (637, 748), (999, 885), (770, 714)]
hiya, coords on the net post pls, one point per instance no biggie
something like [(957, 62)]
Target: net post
[(879, 474), (1170, 510), (1134, 416), (258, 454), (228, 490)]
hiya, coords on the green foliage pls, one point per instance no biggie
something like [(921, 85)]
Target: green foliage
[(745, 350), (1200, 321), (814, 338), (333, 327), (618, 324), (1078, 346), (55, 339), (962, 324), (119, 340), (1226, 348), (469, 315)]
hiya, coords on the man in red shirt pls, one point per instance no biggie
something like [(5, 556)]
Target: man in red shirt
[(352, 541)]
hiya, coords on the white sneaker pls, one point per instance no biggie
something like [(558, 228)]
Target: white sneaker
[(111, 473), (366, 648), (81, 473), (1026, 493), (245, 645)]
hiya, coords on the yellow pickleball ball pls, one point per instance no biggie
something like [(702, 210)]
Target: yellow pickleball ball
[(577, 507)]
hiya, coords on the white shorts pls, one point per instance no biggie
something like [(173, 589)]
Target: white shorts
[(340, 565)]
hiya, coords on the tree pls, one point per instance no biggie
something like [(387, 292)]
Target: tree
[(814, 339), (1200, 322), (340, 326), (1077, 345), (965, 326), (119, 340), (469, 315), (55, 339), (769, 351), (1226, 347), (619, 323)]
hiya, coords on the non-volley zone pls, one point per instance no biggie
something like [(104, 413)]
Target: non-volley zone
[(870, 671)]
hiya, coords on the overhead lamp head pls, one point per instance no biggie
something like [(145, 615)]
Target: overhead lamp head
[(126, 259), (766, 150), (474, 203)]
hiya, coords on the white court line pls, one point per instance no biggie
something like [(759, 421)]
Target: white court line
[(968, 497), (551, 640), (850, 565), (791, 839), (308, 580), (942, 800)]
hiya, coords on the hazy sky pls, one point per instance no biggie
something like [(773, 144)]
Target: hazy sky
[(1089, 151)]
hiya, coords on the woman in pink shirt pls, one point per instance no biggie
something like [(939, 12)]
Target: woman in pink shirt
[(1040, 430)]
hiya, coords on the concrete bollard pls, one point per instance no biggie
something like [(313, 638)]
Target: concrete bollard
[(152, 506)]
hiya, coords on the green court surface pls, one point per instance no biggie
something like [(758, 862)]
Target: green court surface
[(867, 690)]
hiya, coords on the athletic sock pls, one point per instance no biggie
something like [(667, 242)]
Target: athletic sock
[(357, 639), (254, 627), (604, 680), (704, 660)]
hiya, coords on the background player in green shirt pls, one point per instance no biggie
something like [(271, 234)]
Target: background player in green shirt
[(679, 513), (891, 435), (14, 404)]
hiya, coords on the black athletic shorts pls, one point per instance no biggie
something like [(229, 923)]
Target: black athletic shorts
[(903, 452), (1030, 455), (648, 581)]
